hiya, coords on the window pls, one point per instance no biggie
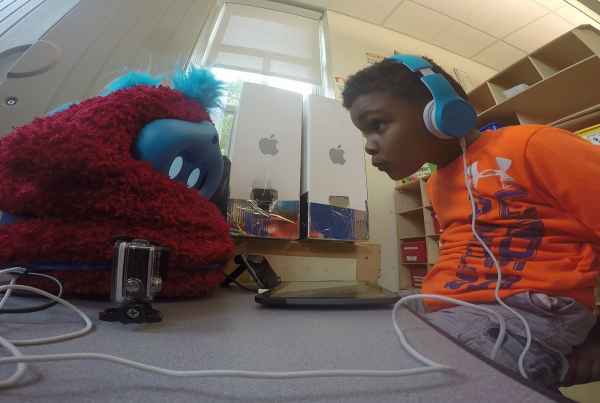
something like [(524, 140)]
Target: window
[(265, 43), (223, 120)]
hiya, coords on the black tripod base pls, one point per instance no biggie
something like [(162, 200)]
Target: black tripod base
[(133, 312)]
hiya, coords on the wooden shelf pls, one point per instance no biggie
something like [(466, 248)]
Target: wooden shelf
[(433, 250), (428, 219), (412, 238), (412, 186), (548, 100), (411, 225), (563, 78), (424, 197), (522, 72), (481, 98), (408, 197), (415, 223), (559, 54), (413, 211)]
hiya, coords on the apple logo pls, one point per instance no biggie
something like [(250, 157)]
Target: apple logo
[(268, 145), (337, 155)]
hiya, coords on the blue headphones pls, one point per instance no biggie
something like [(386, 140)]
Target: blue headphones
[(447, 115)]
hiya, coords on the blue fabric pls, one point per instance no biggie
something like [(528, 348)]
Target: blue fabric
[(61, 108), (201, 85), (333, 222), (412, 62), (7, 218), (132, 78)]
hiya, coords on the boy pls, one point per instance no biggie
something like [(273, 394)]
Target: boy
[(537, 201)]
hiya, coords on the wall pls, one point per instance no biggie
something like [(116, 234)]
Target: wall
[(76, 57), (350, 39)]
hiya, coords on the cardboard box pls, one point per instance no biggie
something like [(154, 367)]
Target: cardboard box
[(264, 196), (334, 181)]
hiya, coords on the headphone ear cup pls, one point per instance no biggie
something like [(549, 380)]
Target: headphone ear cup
[(429, 119)]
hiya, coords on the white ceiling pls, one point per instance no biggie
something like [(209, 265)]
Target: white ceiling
[(495, 33)]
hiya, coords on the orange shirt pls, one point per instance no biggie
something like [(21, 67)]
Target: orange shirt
[(537, 194)]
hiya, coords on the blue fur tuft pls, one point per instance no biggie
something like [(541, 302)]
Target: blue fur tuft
[(201, 85), (132, 78), (61, 108)]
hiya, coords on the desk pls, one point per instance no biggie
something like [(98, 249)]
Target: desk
[(228, 330)]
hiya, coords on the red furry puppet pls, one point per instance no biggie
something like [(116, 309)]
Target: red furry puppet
[(141, 160)]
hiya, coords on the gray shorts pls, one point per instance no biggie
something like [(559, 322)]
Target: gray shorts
[(557, 325)]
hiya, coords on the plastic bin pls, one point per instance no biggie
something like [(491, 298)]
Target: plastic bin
[(414, 252), (511, 92), (436, 224), (417, 276), (591, 134)]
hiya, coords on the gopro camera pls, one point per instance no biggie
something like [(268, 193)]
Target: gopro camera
[(138, 270)]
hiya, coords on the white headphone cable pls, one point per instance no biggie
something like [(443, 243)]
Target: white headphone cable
[(496, 264), (501, 321)]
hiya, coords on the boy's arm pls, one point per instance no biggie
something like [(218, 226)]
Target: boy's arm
[(567, 169)]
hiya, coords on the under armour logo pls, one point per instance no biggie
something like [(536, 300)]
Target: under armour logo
[(503, 163)]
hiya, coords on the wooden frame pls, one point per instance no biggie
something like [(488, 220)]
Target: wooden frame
[(367, 256)]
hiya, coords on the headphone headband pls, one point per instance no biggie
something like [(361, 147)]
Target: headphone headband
[(448, 115)]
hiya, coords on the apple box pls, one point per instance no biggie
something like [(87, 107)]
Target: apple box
[(334, 182), (264, 192)]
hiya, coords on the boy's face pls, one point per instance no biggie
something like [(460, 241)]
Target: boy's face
[(396, 137)]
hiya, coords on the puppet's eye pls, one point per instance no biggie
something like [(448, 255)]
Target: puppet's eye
[(175, 167), (193, 178)]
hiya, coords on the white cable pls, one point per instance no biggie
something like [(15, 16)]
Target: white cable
[(226, 373), (21, 367), (426, 361), (497, 289), (12, 282), (21, 360), (501, 321), (53, 339)]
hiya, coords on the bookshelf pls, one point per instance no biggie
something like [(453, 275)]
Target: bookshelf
[(415, 223), (563, 79)]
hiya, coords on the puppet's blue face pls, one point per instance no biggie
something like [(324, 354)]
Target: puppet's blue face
[(185, 151)]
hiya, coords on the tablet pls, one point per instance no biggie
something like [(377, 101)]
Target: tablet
[(327, 293)]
